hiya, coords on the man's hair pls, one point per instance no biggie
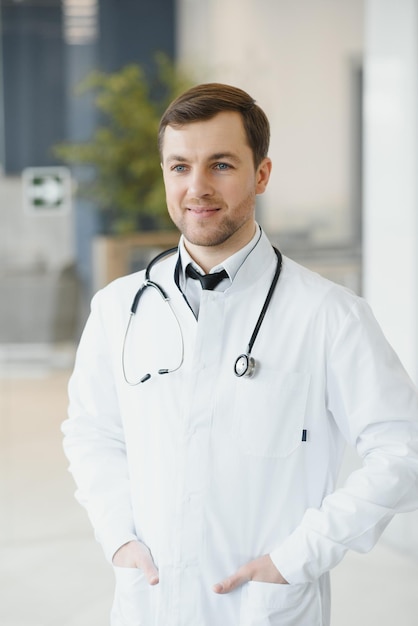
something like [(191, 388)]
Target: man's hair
[(203, 102)]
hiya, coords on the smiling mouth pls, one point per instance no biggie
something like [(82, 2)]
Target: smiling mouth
[(203, 210)]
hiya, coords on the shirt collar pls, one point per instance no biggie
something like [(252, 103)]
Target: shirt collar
[(231, 264)]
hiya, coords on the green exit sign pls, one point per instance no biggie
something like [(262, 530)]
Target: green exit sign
[(46, 190)]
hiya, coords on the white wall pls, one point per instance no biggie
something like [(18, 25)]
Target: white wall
[(391, 192), (294, 57), (391, 166)]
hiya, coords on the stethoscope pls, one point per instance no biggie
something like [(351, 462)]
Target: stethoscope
[(245, 364)]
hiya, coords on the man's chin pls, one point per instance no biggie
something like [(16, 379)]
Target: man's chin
[(206, 240)]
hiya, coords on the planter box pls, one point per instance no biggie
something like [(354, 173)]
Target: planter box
[(115, 256)]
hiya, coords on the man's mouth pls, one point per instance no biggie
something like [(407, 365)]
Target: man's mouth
[(203, 211)]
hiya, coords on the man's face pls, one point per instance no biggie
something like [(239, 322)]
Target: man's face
[(211, 182)]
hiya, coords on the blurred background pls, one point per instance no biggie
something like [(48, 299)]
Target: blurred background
[(338, 80)]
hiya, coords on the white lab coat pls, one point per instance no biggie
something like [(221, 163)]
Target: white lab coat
[(211, 470)]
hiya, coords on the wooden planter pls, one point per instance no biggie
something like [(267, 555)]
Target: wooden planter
[(115, 256)]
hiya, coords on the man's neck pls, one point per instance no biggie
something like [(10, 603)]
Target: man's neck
[(208, 257)]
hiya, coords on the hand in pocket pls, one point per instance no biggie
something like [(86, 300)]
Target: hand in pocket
[(136, 554), (261, 569)]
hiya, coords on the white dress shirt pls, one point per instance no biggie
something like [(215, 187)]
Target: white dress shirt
[(192, 289)]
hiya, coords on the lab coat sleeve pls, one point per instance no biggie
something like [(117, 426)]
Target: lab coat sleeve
[(94, 439), (375, 406)]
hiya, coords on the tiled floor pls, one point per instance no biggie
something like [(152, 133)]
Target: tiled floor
[(52, 573)]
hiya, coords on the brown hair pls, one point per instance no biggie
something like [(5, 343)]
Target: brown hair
[(205, 101)]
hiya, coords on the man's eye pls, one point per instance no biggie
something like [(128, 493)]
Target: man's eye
[(222, 166), (179, 168)]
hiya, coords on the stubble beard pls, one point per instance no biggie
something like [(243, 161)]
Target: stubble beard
[(208, 235)]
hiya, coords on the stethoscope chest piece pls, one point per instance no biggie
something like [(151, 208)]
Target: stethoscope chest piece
[(244, 366)]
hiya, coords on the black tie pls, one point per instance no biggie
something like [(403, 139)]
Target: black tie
[(208, 281)]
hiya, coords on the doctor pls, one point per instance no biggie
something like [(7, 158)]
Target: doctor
[(207, 424)]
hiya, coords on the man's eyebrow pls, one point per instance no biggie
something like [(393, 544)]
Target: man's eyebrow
[(217, 156), (176, 157), (225, 155)]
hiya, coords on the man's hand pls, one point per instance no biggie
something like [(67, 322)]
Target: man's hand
[(136, 554), (261, 569)]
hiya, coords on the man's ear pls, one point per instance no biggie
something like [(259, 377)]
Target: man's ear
[(262, 175)]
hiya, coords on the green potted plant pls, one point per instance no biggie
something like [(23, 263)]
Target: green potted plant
[(120, 165), (126, 184)]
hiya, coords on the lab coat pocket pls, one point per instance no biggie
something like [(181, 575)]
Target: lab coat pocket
[(132, 605), (270, 412), (268, 604)]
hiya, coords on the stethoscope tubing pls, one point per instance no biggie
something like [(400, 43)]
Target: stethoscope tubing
[(267, 300), (244, 365)]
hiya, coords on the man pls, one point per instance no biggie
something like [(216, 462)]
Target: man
[(206, 426)]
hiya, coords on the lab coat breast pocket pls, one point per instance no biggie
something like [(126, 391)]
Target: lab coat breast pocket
[(269, 604), (132, 604), (269, 412)]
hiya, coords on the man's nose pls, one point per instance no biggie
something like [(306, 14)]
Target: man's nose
[(200, 184)]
